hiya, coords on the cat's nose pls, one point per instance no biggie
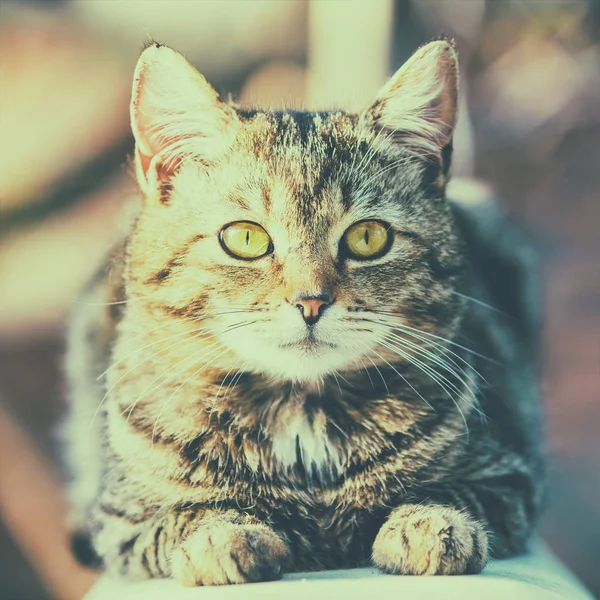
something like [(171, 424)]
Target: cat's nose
[(312, 307)]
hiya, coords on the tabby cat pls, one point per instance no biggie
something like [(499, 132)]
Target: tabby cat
[(305, 354)]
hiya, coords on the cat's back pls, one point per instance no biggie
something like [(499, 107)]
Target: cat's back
[(504, 265), (504, 317), (90, 336)]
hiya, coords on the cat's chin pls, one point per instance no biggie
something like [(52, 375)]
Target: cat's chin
[(304, 361)]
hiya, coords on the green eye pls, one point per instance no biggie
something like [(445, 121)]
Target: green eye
[(245, 240), (368, 239)]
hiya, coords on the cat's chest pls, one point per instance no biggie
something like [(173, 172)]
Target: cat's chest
[(296, 454), (298, 459), (299, 444), (289, 441), (308, 452)]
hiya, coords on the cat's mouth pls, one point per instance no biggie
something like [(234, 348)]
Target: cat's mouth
[(309, 343)]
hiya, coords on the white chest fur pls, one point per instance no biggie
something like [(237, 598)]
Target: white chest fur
[(299, 439)]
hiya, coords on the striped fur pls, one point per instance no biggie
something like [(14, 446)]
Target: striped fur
[(225, 450)]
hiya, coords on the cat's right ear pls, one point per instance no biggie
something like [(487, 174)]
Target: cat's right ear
[(175, 116)]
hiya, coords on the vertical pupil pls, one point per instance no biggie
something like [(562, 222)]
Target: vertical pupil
[(366, 236), (247, 236)]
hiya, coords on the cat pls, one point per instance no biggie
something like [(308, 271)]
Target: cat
[(305, 354)]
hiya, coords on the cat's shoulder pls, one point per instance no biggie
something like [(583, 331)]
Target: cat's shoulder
[(502, 254)]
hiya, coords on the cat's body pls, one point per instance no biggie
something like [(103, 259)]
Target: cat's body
[(306, 409)]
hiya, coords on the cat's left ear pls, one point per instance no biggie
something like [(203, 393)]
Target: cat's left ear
[(175, 115), (418, 105)]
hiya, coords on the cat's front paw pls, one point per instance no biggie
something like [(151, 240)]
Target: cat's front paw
[(229, 553), (430, 540)]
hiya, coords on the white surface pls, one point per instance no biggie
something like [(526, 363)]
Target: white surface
[(535, 576)]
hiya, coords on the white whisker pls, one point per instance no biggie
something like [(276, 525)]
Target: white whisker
[(480, 303), (437, 337), (194, 358), (377, 369), (366, 371), (403, 378), (130, 370), (181, 385), (153, 386)]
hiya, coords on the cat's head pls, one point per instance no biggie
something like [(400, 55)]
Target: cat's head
[(296, 240)]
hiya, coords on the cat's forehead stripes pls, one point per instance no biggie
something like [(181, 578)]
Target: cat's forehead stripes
[(308, 157)]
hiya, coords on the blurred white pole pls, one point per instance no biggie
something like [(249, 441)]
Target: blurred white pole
[(349, 45)]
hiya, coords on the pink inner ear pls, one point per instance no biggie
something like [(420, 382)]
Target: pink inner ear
[(147, 116), (173, 111), (164, 170), (152, 142), (144, 162)]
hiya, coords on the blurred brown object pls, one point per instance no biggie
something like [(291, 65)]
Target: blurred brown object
[(34, 510), (44, 266), (223, 39), (63, 104), (64, 100)]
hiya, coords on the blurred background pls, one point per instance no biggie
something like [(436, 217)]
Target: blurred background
[(529, 127)]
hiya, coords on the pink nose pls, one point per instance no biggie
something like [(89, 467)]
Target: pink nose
[(312, 308)]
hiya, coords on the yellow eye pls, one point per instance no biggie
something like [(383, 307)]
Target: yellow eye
[(368, 239), (246, 240)]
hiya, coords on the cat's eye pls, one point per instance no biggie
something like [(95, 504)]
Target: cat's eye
[(245, 240), (367, 240)]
